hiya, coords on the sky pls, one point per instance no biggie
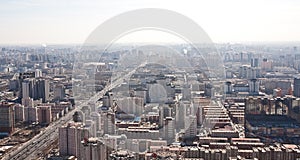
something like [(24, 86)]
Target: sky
[(71, 21)]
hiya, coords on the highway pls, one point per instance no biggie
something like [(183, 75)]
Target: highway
[(30, 149)]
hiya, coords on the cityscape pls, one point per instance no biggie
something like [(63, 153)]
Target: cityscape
[(150, 98), (153, 111)]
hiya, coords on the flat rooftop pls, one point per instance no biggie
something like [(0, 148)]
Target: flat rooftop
[(272, 121)]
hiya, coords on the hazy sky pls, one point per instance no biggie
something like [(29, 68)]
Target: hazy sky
[(71, 21)]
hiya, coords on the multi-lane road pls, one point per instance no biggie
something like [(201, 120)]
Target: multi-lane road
[(32, 148)]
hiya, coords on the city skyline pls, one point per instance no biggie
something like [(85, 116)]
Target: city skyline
[(145, 101), (149, 80)]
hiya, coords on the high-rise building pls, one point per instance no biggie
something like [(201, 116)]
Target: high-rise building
[(44, 114), (251, 73), (228, 87), (253, 86), (91, 127), (198, 113), (24, 77), (27, 87), (36, 89), (41, 90), (7, 117), (190, 126), (97, 119), (30, 114), (182, 109), (109, 126), (254, 62), (70, 137), (19, 113), (38, 73), (179, 113), (169, 129), (27, 102), (209, 90), (186, 92), (266, 65), (93, 148), (297, 87), (59, 92), (242, 56), (243, 71), (164, 111)]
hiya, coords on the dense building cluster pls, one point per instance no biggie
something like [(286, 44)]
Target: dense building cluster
[(150, 103)]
